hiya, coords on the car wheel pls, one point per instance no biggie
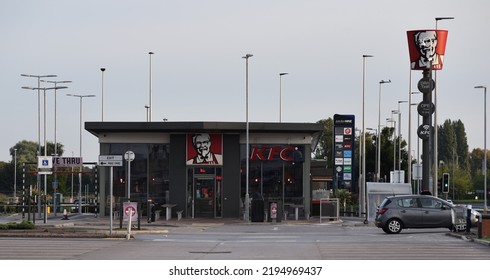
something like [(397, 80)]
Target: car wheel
[(393, 226)]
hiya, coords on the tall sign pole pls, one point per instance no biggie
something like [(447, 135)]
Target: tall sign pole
[(427, 50)]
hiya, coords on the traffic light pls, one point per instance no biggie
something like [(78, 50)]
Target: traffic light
[(445, 182)]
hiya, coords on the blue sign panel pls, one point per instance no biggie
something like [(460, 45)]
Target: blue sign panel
[(344, 147)]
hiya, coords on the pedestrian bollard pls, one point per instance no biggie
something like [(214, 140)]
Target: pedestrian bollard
[(65, 215), (128, 235), (468, 218)]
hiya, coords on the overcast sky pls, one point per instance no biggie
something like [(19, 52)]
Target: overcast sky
[(198, 71)]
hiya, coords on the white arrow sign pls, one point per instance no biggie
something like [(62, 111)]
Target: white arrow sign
[(110, 160)]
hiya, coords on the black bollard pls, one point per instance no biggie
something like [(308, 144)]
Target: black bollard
[(468, 218)]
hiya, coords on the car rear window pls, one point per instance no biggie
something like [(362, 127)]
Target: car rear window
[(385, 202)]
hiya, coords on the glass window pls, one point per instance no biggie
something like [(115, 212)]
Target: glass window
[(407, 202), (149, 180), (430, 203), (274, 171)]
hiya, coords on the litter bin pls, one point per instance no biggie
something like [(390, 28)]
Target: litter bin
[(257, 208), (152, 213), (484, 226)]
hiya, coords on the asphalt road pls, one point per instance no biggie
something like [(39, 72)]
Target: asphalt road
[(254, 242)]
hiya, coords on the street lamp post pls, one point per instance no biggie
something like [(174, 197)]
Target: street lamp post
[(55, 133), (485, 209), (15, 175), (38, 126), (435, 158), (376, 158), (379, 129), (81, 168), (400, 139), (410, 137), (409, 144), (55, 111), (102, 94), (247, 132), (392, 120), (363, 138), (45, 145), (150, 106), (147, 115), (280, 95)]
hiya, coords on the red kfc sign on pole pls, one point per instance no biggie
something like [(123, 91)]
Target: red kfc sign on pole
[(427, 47)]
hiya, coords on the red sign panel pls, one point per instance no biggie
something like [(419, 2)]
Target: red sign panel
[(426, 48), (205, 148)]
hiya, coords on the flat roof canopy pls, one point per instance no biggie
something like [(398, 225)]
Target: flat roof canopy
[(216, 127), (313, 129)]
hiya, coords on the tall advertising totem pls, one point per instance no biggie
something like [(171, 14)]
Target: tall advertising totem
[(427, 49)]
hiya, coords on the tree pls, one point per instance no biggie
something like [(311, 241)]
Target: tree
[(452, 143), (476, 166), (454, 158), (386, 157), (24, 152), (324, 148)]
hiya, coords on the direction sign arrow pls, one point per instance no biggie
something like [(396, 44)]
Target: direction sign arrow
[(111, 160), (111, 163)]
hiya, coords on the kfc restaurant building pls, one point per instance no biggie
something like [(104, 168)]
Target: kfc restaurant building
[(200, 167)]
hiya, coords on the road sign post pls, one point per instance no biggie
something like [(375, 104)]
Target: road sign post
[(111, 161), (129, 156)]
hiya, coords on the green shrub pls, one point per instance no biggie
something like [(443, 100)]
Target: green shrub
[(21, 225)]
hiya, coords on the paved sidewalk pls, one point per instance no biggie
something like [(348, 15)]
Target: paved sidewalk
[(88, 225)]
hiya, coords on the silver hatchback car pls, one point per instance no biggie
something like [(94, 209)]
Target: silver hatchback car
[(413, 211)]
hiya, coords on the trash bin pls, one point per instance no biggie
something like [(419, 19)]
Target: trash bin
[(257, 208), (484, 226), (152, 213)]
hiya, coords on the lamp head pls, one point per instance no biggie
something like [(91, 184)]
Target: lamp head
[(442, 18)]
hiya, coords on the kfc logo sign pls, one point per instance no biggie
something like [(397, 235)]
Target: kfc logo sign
[(266, 153), (427, 48)]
